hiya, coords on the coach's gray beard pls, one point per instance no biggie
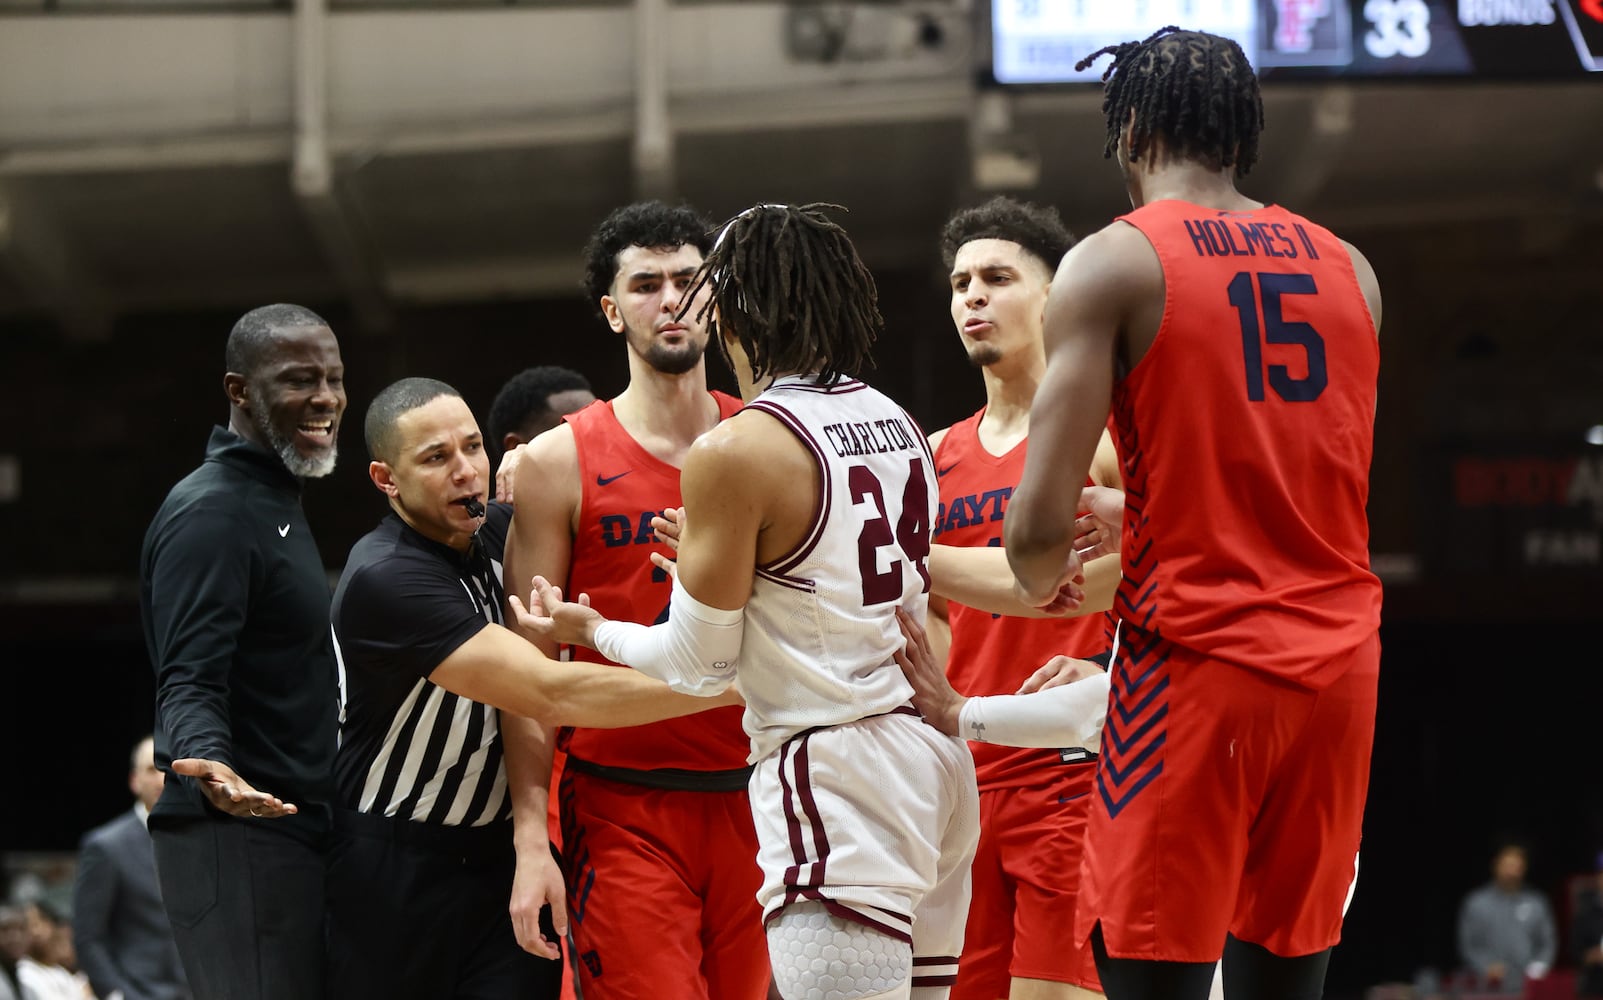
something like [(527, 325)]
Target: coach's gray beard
[(298, 465)]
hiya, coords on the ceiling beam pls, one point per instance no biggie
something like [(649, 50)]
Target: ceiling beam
[(312, 174), (487, 278), (653, 132)]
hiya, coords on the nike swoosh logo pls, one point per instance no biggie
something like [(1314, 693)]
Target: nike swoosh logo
[(941, 473), (606, 480), (283, 530)]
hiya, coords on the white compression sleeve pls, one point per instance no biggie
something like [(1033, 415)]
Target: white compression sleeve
[(1067, 716), (694, 650)]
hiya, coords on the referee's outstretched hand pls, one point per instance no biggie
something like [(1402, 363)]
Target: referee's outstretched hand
[(550, 617), (230, 793)]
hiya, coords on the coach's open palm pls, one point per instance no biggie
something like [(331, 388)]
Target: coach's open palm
[(230, 793), (550, 617)]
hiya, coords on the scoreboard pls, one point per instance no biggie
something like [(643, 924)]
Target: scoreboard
[(1037, 42)]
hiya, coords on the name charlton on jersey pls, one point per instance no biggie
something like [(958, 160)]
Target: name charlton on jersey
[(1219, 238), (871, 437)]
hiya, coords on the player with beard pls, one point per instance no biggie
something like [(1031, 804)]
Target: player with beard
[(1000, 256), (235, 600), (656, 828), (808, 525)]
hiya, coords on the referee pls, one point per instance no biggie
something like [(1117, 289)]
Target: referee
[(422, 860)]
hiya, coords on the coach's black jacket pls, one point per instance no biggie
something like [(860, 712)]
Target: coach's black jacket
[(235, 602)]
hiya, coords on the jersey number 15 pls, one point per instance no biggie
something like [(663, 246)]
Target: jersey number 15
[(1277, 330)]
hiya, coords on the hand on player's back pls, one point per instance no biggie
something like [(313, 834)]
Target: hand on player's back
[(933, 695), (506, 474), (1058, 671)]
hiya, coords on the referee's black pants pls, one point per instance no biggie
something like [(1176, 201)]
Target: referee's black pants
[(419, 912), (246, 905)]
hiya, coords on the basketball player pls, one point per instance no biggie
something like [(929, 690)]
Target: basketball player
[(532, 402), (1033, 802), (808, 525), (656, 812), (1237, 344)]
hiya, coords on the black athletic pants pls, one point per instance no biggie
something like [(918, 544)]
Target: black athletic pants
[(246, 905), (419, 912)]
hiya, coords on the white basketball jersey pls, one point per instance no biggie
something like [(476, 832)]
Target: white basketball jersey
[(821, 626)]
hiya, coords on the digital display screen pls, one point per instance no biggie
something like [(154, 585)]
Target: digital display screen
[(1035, 42)]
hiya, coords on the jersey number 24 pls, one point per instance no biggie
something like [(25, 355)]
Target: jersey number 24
[(911, 535)]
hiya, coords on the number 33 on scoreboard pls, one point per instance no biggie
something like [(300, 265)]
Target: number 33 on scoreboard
[(1397, 28)]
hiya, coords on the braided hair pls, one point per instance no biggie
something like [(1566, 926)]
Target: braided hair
[(1195, 90), (789, 286)]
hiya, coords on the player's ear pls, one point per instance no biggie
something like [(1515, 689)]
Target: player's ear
[(384, 478), (609, 309), (237, 388)]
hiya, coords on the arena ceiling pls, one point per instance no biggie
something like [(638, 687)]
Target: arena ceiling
[(83, 241)]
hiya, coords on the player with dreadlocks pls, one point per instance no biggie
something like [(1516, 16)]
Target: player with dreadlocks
[(808, 518), (1237, 344)]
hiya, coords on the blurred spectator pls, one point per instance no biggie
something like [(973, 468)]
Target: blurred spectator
[(1586, 934), (13, 946), (1505, 928), (45, 972), (123, 939)]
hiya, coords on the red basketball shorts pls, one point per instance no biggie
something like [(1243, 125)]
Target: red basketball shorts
[(1026, 878), (662, 892), (1227, 800)]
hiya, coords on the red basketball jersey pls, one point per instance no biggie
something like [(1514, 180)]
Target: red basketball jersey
[(993, 654), (624, 486), (1245, 436)]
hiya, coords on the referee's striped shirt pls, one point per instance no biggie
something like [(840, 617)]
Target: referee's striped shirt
[(409, 749)]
